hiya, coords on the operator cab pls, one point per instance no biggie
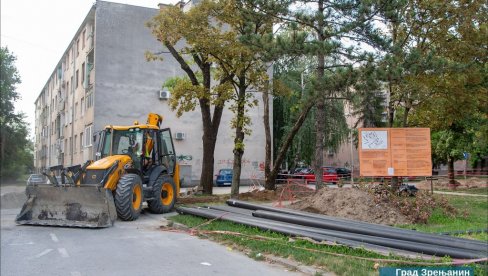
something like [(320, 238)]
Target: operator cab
[(146, 146)]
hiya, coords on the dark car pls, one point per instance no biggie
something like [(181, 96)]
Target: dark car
[(224, 177), (343, 173)]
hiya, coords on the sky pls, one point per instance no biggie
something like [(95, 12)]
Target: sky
[(38, 32)]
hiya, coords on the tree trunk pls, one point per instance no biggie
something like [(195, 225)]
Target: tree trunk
[(206, 178), (450, 172), (405, 117), (320, 114), (210, 123), (267, 132), (239, 139), (270, 181), (319, 143)]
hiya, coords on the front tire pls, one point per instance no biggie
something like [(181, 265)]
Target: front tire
[(164, 194), (129, 196)]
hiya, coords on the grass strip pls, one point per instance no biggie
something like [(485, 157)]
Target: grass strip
[(341, 260)]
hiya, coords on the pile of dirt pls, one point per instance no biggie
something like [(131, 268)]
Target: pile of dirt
[(192, 199), (475, 182), (257, 195), (351, 203), (443, 183)]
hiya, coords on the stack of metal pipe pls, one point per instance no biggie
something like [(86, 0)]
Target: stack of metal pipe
[(338, 231)]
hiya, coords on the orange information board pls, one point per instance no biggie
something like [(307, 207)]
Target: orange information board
[(395, 152)]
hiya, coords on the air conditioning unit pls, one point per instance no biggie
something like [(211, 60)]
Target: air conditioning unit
[(179, 136), (164, 94)]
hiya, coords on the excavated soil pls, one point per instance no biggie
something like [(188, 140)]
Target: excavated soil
[(475, 182), (443, 183), (264, 195), (255, 195), (192, 199), (351, 203)]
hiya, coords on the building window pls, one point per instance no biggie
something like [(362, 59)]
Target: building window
[(81, 142), (89, 100), (75, 144), (77, 47), (88, 135), (71, 87), (82, 107), (77, 78), (83, 75), (70, 146), (70, 115), (83, 38)]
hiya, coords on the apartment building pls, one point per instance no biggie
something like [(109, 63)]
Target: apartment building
[(103, 78)]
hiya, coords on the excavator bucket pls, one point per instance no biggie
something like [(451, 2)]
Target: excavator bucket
[(69, 206)]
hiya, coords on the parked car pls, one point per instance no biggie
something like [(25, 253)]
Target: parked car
[(343, 173), (329, 175), (304, 173), (224, 177), (35, 179)]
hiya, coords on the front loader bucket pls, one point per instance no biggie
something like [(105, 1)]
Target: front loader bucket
[(69, 206)]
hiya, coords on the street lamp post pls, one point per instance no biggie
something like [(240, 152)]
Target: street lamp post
[(352, 158)]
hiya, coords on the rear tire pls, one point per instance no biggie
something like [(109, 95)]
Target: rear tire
[(129, 196), (164, 194)]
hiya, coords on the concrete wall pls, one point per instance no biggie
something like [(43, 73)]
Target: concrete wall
[(126, 89)]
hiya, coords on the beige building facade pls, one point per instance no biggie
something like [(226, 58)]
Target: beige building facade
[(103, 78)]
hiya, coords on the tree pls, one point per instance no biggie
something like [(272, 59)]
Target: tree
[(368, 100), (321, 27), (211, 32), (458, 93), (244, 67), (173, 26), (15, 148)]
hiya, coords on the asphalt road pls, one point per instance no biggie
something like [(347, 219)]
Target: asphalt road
[(128, 248)]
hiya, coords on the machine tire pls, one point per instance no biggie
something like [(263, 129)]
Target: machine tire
[(159, 205), (129, 196)]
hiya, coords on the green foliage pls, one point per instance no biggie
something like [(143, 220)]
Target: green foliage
[(468, 135), (470, 215), (16, 150), (368, 98)]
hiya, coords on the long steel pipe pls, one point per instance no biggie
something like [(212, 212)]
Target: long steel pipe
[(332, 225), (337, 236), (380, 229), (268, 225)]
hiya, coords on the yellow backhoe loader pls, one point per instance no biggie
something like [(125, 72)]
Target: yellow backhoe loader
[(134, 164)]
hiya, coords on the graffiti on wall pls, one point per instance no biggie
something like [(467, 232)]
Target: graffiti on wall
[(229, 162), (184, 159)]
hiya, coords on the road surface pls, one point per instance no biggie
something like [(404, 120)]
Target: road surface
[(128, 248)]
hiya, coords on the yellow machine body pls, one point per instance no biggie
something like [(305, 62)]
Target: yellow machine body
[(87, 197)]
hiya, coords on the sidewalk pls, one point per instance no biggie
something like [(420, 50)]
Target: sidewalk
[(459, 194)]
